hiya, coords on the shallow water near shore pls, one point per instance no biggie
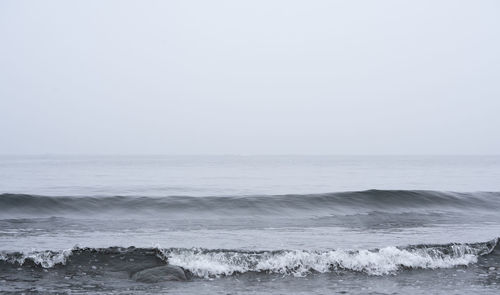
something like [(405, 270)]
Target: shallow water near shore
[(250, 225)]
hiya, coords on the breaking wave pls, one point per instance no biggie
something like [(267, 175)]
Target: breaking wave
[(205, 263)]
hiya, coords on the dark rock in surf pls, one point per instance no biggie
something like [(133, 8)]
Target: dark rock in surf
[(161, 274)]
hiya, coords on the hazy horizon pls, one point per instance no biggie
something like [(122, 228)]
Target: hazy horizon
[(250, 78), (234, 155), (249, 147)]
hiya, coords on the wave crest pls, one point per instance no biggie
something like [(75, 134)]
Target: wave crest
[(361, 201), (205, 263), (45, 259), (208, 263)]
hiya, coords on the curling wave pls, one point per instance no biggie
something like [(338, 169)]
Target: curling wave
[(34, 205), (205, 263)]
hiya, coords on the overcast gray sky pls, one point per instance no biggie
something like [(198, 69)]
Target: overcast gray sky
[(250, 77)]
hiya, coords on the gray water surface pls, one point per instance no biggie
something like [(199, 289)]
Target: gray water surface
[(321, 208)]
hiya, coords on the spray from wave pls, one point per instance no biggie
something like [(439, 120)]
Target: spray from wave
[(209, 263)]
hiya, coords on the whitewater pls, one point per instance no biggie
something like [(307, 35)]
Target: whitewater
[(249, 224)]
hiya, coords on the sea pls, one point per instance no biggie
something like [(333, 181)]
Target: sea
[(240, 224)]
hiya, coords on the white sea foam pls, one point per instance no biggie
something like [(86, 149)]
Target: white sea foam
[(209, 264), (45, 259)]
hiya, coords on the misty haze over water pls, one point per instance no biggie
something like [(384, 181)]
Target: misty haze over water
[(249, 147), (266, 223)]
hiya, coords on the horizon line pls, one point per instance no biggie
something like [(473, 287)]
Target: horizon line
[(244, 154)]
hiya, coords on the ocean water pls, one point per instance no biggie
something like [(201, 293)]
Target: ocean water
[(250, 224)]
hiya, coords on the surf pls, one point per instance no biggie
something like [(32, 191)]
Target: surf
[(215, 263)]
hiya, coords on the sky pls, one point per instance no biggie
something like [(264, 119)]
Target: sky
[(249, 77)]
